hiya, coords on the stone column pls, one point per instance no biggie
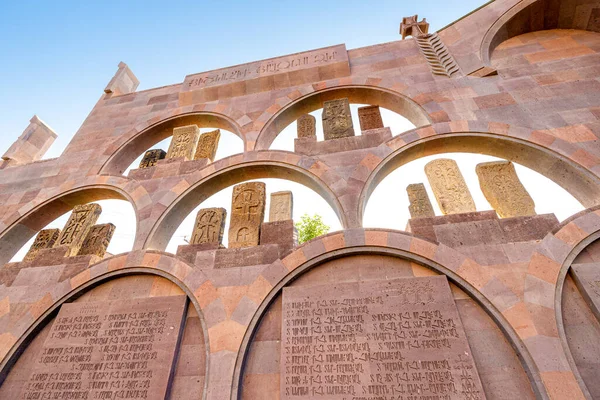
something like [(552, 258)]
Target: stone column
[(449, 187)]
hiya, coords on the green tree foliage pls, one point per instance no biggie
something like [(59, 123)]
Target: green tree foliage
[(310, 227)]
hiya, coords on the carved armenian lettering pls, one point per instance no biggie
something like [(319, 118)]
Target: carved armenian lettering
[(78, 226), (97, 240), (209, 226), (394, 339), (247, 214), (449, 187), (306, 126), (281, 206), (420, 206), (45, 239), (151, 157), (109, 350), (369, 117), (207, 145), (337, 120), (503, 189), (184, 141)]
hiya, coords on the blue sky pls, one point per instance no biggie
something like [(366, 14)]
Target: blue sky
[(58, 56)]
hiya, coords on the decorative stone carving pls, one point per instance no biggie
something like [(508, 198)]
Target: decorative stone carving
[(78, 226), (449, 187), (307, 126), (207, 145), (97, 240), (503, 189), (420, 206), (337, 119), (209, 226), (247, 214), (184, 141), (369, 117), (151, 157), (410, 27), (281, 206), (45, 239)]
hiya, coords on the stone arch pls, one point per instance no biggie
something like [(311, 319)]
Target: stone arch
[(437, 257), (233, 170), (151, 263), (535, 15), (51, 204), (444, 138), (361, 94), (153, 131)]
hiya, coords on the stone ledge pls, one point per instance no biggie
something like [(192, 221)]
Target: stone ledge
[(168, 167), (368, 139)]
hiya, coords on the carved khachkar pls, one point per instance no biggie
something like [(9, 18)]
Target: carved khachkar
[(184, 141), (45, 239), (411, 27), (449, 187), (307, 126), (97, 240), (281, 206), (207, 145), (503, 189), (337, 120), (209, 226), (420, 206), (151, 157), (369, 117), (247, 214), (78, 226)]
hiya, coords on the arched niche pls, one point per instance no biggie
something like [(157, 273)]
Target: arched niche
[(190, 368), (19, 233), (536, 15), (258, 365), (355, 94), (579, 182), (172, 217), (122, 158)]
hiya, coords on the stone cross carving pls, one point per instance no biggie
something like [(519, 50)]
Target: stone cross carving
[(337, 120), (420, 206), (184, 141), (503, 189), (449, 187), (78, 226), (411, 27), (209, 226), (45, 239), (247, 214), (97, 240), (207, 145), (151, 157), (281, 206), (369, 117), (306, 126)]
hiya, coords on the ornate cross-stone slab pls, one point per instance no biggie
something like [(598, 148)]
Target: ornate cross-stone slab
[(45, 239), (207, 145), (209, 226), (247, 214), (307, 126), (78, 226), (369, 117), (109, 350), (337, 119), (420, 206), (281, 206), (503, 189), (390, 339), (184, 141), (97, 240), (411, 27), (151, 157), (449, 187)]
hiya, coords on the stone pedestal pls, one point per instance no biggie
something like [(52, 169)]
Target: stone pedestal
[(281, 233), (368, 139)]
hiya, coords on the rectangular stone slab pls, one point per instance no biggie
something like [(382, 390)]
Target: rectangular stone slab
[(306, 126), (369, 118), (78, 226), (587, 278), (394, 339), (449, 186), (207, 145), (97, 240), (45, 239), (184, 142), (109, 350), (337, 119), (151, 157), (281, 207), (420, 206), (209, 226), (247, 214)]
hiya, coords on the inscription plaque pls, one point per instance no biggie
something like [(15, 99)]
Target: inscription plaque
[(398, 339), (109, 350)]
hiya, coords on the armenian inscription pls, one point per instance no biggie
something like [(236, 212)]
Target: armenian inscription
[(399, 339), (109, 350)]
